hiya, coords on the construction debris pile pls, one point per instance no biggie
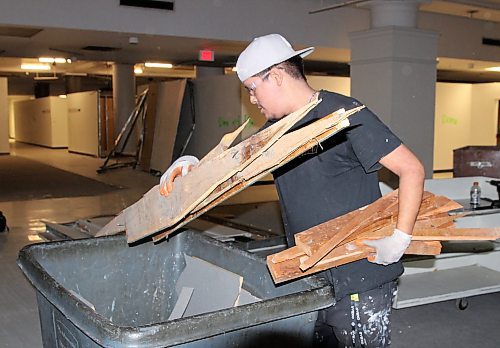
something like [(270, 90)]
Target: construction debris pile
[(340, 240)]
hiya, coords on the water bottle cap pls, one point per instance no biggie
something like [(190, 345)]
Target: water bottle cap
[(476, 183)]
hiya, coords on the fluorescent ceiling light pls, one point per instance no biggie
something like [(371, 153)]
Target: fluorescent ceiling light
[(138, 70), (54, 60), (63, 96), (493, 68), (158, 65), (35, 67)]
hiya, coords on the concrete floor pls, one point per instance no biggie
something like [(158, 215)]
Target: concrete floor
[(19, 324), (436, 325)]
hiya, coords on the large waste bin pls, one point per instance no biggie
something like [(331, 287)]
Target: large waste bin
[(103, 292)]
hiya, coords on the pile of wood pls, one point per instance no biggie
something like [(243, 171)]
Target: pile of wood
[(223, 172), (340, 241)]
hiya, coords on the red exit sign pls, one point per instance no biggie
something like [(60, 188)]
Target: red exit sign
[(206, 56)]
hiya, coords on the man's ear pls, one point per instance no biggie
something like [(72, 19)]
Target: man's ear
[(277, 76)]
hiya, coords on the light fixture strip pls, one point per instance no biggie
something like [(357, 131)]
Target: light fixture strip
[(493, 68), (54, 60), (158, 65), (35, 67)]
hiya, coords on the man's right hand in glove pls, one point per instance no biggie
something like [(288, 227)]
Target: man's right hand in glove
[(180, 167)]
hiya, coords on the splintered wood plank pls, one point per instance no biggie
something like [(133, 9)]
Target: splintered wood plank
[(432, 206), (387, 226), (418, 248), (350, 252), (287, 254), (284, 150), (364, 217), (441, 234), (155, 212)]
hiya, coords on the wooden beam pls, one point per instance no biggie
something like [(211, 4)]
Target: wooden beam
[(350, 252), (364, 217)]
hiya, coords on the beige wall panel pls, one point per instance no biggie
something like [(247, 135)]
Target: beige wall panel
[(484, 113), (83, 121), (168, 109), (452, 122)]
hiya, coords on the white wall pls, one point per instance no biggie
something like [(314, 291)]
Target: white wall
[(4, 117), (466, 114)]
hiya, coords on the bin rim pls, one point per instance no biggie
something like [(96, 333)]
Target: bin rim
[(101, 328)]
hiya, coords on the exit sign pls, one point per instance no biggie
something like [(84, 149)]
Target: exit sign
[(206, 56)]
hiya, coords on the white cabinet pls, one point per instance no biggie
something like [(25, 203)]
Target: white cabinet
[(42, 121)]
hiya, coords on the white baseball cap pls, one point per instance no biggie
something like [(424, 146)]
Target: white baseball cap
[(266, 51)]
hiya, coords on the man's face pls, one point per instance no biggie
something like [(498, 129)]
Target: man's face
[(264, 93)]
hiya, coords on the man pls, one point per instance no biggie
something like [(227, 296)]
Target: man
[(339, 177)]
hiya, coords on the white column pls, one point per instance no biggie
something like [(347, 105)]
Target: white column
[(124, 100), (4, 117), (393, 72)]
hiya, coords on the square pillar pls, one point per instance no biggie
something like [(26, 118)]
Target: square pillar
[(393, 72)]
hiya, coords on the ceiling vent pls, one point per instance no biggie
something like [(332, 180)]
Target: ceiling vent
[(101, 48), (491, 42), (159, 4)]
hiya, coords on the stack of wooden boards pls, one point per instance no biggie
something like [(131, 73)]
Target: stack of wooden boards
[(223, 172), (340, 241)]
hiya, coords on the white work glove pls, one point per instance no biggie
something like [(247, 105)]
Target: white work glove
[(389, 249), (180, 167)]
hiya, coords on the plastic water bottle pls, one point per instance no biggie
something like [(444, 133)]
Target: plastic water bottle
[(475, 193)]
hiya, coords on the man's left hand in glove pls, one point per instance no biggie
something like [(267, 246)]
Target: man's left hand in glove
[(389, 249)]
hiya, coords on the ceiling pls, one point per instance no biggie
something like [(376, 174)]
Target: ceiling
[(92, 53)]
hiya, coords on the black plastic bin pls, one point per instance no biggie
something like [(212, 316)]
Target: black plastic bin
[(99, 292)]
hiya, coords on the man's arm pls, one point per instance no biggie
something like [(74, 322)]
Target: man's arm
[(410, 171), (406, 165)]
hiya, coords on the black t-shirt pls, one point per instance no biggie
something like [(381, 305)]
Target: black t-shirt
[(335, 178)]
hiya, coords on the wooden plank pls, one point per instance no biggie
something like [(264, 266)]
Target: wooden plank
[(154, 212), (315, 238), (441, 234), (350, 252), (282, 152), (420, 247), (287, 254), (364, 217)]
